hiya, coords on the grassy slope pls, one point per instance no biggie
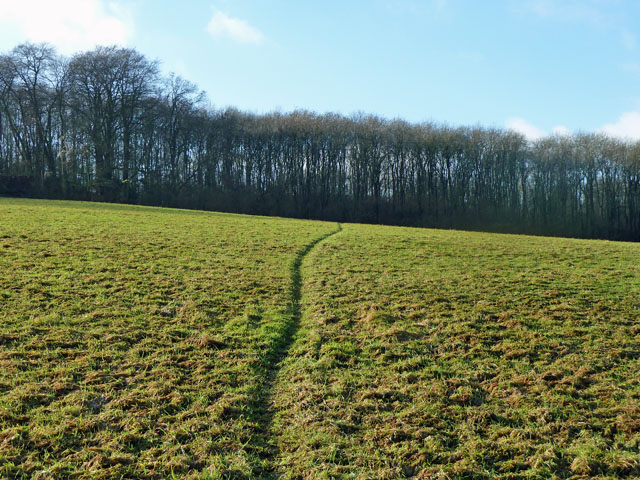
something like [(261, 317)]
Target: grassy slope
[(135, 341), (426, 353), (141, 342)]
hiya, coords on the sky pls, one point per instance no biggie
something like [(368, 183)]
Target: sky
[(540, 67)]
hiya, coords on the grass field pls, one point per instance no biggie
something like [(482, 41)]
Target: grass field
[(438, 354), (136, 342), (153, 343)]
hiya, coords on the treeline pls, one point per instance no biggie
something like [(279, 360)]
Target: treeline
[(105, 125)]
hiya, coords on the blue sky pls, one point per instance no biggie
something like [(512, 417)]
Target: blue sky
[(537, 66)]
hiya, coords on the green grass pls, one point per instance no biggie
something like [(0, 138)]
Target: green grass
[(440, 354), (135, 341), (154, 343)]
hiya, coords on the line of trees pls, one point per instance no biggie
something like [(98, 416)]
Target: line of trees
[(105, 125)]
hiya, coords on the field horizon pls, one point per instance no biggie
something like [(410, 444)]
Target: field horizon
[(149, 342)]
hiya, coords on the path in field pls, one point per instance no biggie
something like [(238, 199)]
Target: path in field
[(261, 406)]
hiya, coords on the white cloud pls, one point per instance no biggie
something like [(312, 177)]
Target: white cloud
[(627, 127), (221, 25), (69, 25), (561, 130), (532, 132), (520, 125)]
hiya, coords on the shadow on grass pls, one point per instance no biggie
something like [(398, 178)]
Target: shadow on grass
[(262, 446)]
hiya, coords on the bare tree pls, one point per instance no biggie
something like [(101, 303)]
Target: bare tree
[(105, 125)]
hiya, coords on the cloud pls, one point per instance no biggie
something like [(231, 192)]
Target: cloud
[(561, 130), (532, 132), (236, 29), (520, 125), (69, 25), (627, 127)]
